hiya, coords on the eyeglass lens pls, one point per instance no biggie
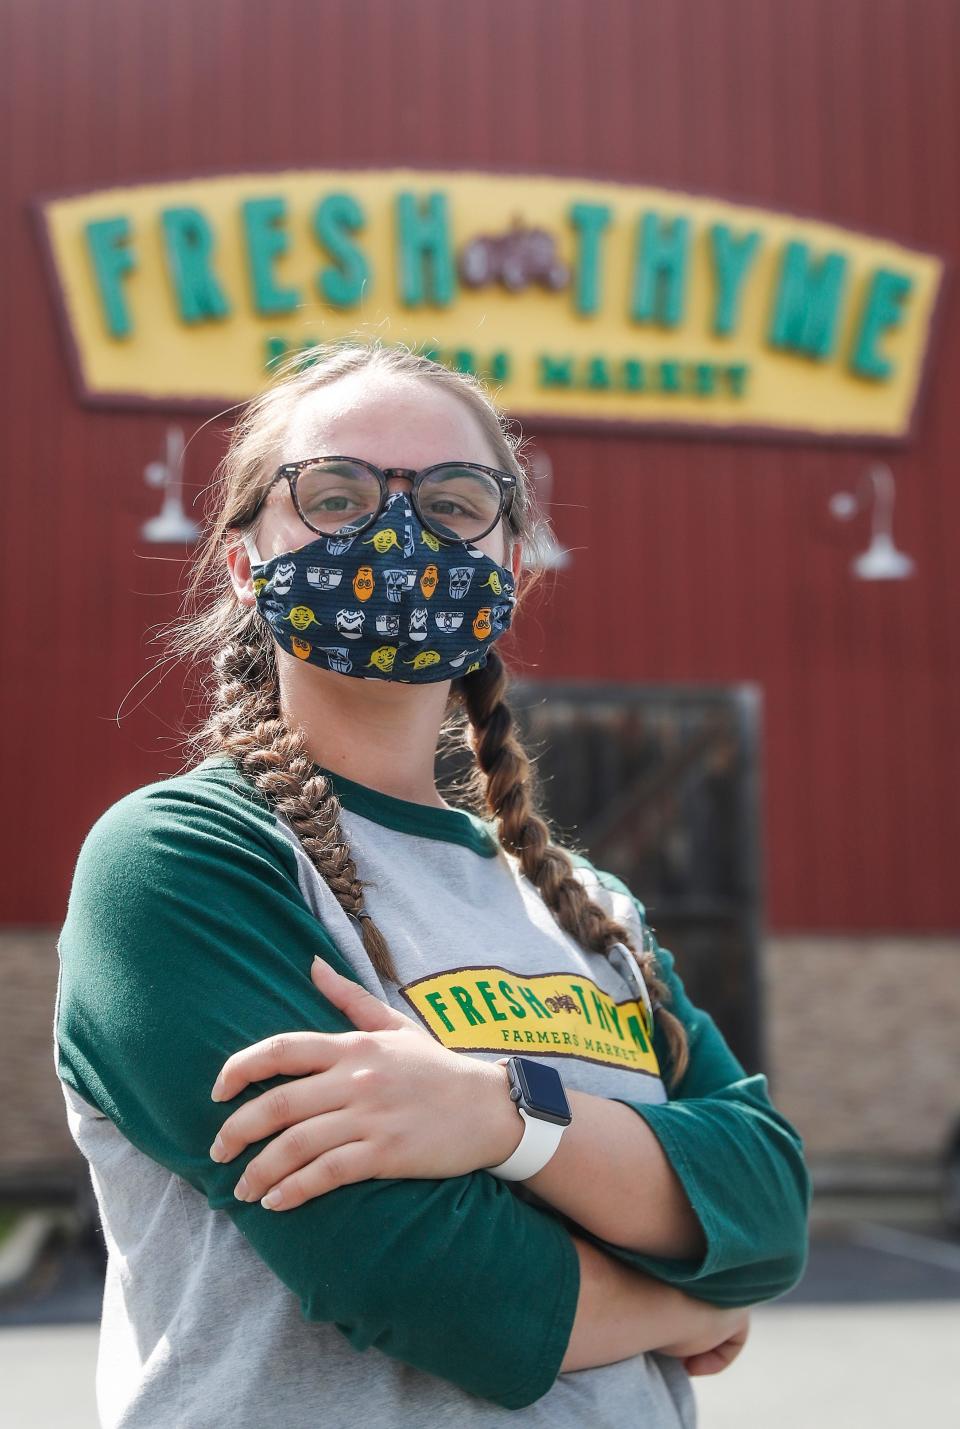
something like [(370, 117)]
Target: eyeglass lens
[(454, 501)]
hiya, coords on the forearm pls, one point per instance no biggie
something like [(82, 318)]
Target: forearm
[(609, 1174), (623, 1312)]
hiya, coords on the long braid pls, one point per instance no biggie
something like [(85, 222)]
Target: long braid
[(503, 777), (246, 723)]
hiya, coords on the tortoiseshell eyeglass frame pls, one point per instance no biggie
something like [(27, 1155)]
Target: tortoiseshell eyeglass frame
[(290, 473)]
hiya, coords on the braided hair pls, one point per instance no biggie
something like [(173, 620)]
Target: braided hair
[(502, 773), (241, 688), (246, 723)]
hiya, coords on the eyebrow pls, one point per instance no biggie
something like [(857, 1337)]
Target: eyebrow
[(454, 475), (450, 476), (347, 475)]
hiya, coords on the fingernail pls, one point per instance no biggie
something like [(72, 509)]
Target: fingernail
[(217, 1092), (272, 1198), (217, 1149), (241, 1188)]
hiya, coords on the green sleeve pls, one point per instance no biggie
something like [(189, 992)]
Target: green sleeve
[(739, 1160), (186, 938)]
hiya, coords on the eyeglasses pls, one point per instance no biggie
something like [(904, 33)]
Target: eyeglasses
[(455, 500)]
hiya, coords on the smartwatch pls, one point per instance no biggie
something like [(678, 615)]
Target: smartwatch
[(537, 1090)]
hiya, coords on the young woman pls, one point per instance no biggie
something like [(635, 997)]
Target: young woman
[(443, 1040)]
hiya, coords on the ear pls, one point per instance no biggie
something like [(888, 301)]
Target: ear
[(239, 563)]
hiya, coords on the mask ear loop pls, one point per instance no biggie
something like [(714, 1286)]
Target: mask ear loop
[(251, 548)]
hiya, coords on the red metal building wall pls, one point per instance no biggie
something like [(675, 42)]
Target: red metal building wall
[(695, 559)]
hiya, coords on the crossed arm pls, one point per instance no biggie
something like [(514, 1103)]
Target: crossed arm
[(639, 1201), (187, 937), (392, 1102), (709, 1190)]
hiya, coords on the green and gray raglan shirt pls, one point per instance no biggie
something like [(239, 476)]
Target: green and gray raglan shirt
[(193, 918)]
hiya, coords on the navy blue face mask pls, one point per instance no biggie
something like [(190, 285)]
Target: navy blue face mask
[(390, 602)]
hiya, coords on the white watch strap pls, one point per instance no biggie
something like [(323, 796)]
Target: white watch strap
[(539, 1141)]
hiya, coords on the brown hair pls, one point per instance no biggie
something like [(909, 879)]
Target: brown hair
[(244, 718)]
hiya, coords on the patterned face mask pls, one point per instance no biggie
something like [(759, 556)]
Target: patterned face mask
[(390, 602)]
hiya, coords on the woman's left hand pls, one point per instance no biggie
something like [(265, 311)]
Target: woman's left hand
[(385, 1101)]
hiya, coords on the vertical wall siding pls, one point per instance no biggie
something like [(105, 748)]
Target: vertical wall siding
[(694, 559)]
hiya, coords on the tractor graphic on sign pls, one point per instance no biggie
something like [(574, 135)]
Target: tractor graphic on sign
[(515, 259)]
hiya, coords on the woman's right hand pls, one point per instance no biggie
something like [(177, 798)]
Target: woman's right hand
[(623, 1312), (712, 1349)]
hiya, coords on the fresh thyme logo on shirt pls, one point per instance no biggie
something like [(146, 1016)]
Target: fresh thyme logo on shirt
[(486, 1009)]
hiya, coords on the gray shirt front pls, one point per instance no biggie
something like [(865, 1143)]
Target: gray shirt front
[(197, 1331)]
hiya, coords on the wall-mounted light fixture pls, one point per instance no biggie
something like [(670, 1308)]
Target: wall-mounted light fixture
[(173, 523), (881, 561)]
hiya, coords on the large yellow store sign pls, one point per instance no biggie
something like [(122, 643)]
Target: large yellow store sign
[(577, 300)]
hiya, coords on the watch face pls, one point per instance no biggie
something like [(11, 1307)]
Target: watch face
[(542, 1090)]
